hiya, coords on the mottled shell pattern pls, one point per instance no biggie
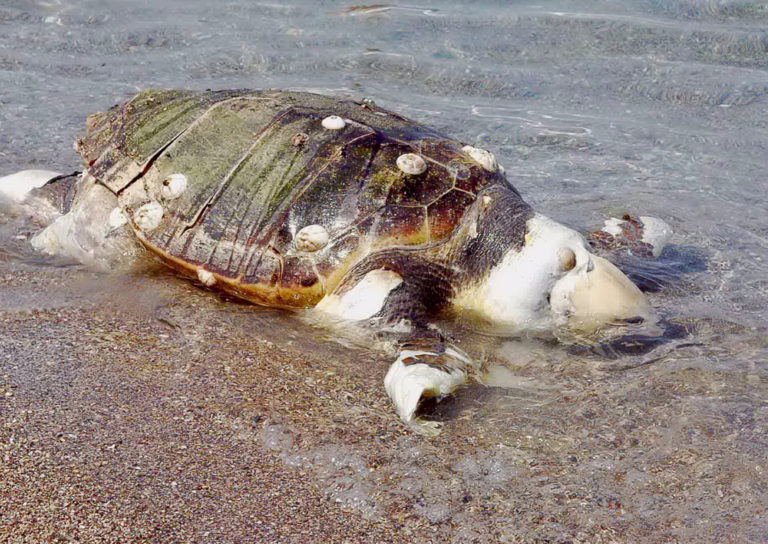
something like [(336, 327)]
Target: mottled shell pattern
[(275, 196)]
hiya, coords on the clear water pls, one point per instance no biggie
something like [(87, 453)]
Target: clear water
[(594, 108)]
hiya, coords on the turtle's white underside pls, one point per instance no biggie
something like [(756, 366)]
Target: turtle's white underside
[(364, 300)]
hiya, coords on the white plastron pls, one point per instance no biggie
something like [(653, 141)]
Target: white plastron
[(173, 186), (148, 216), (312, 238), (365, 299), (484, 158), (334, 122), (407, 384)]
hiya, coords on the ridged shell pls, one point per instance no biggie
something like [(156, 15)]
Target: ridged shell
[(250, 169)]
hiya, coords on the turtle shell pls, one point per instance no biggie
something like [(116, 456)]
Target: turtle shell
[(258, 167)]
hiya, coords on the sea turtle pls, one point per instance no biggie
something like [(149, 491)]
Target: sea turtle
[(296, 200)]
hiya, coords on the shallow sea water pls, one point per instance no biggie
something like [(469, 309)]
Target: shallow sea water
[(594, 108)]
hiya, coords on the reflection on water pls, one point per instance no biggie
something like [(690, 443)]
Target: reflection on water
[(595, 108)]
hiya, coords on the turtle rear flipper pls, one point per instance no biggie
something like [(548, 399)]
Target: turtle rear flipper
[(33, 187), (58, 191), (84, 230), (639, 247), (42, 195), (16, 187)]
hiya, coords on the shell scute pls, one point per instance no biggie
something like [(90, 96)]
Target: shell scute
[(440, 150), (478, 178), (465, 172), (331, 198), (298, 272), (396, 225), (118, 143), (422, 189), (264, 267), (243, 205), (445, 214)]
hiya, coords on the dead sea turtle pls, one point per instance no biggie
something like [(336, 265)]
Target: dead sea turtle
[(296, 200)]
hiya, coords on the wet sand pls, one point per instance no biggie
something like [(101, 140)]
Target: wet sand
[(124, 425)]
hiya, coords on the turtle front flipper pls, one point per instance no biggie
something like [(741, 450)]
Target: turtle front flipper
[(635, 244), (643, 237), (638, 246), (395, 290), (425, 368)]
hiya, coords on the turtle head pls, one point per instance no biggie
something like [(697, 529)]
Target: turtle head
[(553, 279)]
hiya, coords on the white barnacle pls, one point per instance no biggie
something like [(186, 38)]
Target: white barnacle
[(206, 277), (148, 216), (482, 157), (312, 238), (334, 122), (173, 186), (117, 218), (412, 164)]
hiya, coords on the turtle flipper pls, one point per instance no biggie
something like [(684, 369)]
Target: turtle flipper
[(36, 186), (395, 289), (643, 237), (425, 368), (638, 246)]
